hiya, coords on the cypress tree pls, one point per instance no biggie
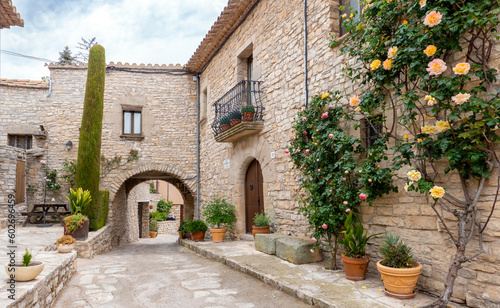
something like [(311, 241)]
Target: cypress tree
[(89, 150)]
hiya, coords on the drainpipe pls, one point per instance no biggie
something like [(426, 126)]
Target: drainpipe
[(198, 146), (306, 91), (50, 87)]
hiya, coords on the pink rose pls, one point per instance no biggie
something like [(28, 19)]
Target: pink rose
[(324, 226), (314, 239), (362, 196), (319, 170), (346, 172), (348, 211), (343, 179), (312, 250), (304, 133), (297, 151), (43, 162), (325, 115), (345, 202), (304, 118), (307, 151), (370, 180), (286, 151), (330, 136)]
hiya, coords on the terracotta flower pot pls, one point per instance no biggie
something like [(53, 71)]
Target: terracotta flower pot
[(248, 116), (80, 234), (198, 236), (355, 268), (260, 230), (235, 122), (400, 282), (224, 127), (152, 234), (25, 273), (65, 248), (181, 236), (218, 235)]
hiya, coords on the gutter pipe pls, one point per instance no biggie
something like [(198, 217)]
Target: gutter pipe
[(197, 146)]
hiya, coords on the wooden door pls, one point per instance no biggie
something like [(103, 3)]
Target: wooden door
[(20, 181), (254, 195)]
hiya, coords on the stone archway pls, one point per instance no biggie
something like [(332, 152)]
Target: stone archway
[(123, 217)]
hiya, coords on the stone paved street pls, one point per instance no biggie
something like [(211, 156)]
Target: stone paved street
[(159, 273)]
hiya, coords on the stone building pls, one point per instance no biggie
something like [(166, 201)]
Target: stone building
[(255, 53)]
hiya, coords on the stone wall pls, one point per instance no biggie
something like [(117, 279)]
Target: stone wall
[(8, 164), (273, 34), (98, 242)]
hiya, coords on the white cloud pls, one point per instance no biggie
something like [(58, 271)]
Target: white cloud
[(146, 31)]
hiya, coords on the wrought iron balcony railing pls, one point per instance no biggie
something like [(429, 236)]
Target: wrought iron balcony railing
[(240, 104)]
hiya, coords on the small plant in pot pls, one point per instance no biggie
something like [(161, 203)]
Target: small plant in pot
[(235, 118), (153, 227), (262, 224), (197, 228), (247, 112), (355, 258), (225, 123), (77, 225), (183, 233), (65, 244), (26, 270), (398, 269), (219, 214)]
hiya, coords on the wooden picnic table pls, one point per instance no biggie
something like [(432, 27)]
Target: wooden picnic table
[(42, 210)]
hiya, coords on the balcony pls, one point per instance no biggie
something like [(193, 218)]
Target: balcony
[(238, 113)]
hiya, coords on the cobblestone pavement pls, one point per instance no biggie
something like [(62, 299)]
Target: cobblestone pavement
[(159, 273)]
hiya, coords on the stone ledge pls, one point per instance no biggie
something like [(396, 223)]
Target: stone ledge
[(239, 131)]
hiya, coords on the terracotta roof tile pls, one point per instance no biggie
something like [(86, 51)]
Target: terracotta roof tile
[(9, 16), (230, 18), (23, 83)]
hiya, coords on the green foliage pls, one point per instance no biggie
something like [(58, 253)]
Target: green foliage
[(183, 228), (196, 226), (152, 189), (164, 206), (225, 120), (88, 165), (65, 56), (395, 252), (354, 240), (74, 222), (219, 213), (236, 115), (262, 220), (159, 216), (68, 172), (153, 225), (102, 210), (79, 200), (247, 108), (27, 258), (50, 177)]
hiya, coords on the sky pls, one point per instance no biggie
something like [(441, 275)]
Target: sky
[(134, 31)]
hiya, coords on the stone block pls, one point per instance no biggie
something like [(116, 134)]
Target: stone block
[(297, 250), (266, 243)]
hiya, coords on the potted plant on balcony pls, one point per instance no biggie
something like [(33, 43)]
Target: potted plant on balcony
[(197, 228), (262, 224), (225, 123), (153, 227), (219, 214), (398, 269), (77, 225), (65, 244), (355, 258), (235, 118), (25, 271), (247, 112)]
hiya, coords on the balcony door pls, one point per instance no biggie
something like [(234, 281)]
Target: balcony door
[(254, 194), (250, 85)]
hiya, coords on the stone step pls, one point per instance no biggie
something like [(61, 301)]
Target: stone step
[(246, 237)]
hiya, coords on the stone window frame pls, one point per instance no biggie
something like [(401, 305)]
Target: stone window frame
[(204, 104), (132, 109), (370, 133), (13, 139), (243, 54)]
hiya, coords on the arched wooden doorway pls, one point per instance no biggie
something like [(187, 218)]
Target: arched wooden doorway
[(254, 195)]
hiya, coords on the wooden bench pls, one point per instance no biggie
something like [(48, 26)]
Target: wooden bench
[(43, 210)]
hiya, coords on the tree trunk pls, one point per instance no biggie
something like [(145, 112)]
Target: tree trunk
[(333, 254)]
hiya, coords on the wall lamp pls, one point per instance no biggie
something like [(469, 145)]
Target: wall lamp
[(69, 145)]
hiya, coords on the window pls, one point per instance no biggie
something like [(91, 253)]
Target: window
[(371, 130), (355, 5), (132, 124), (21, 141), (204, 104)]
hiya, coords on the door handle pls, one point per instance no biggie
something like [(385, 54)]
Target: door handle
[(251, 186)]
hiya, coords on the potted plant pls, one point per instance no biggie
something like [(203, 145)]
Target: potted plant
[(183, 230), (247, 112), (235, 118), (65, 244), (26, 270), (225, 123), (77, 225), (153, 227), (219, 214), (261, 225), (398, 269), (355, 258), (197, 228)]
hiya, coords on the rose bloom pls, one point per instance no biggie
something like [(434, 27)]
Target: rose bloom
[(422, 3), (442, 126), (325, 115), (437, 192), (345, 202), (307, 151), (406, 187), (304, 133), (313, 239), (297, 151), (354, 101), (375, 64), (343, 179), (460, 98), (330, 136), (430, 50), (312, 250), (431, 100), (461, 68), (363, 196), (392, 52), (324, 226), (304, 119), (433, 19), (387, 64), (286, 151), (428, 129), (414, 175), (348, 211), (324, 96), (436, 67), (43, 162)]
